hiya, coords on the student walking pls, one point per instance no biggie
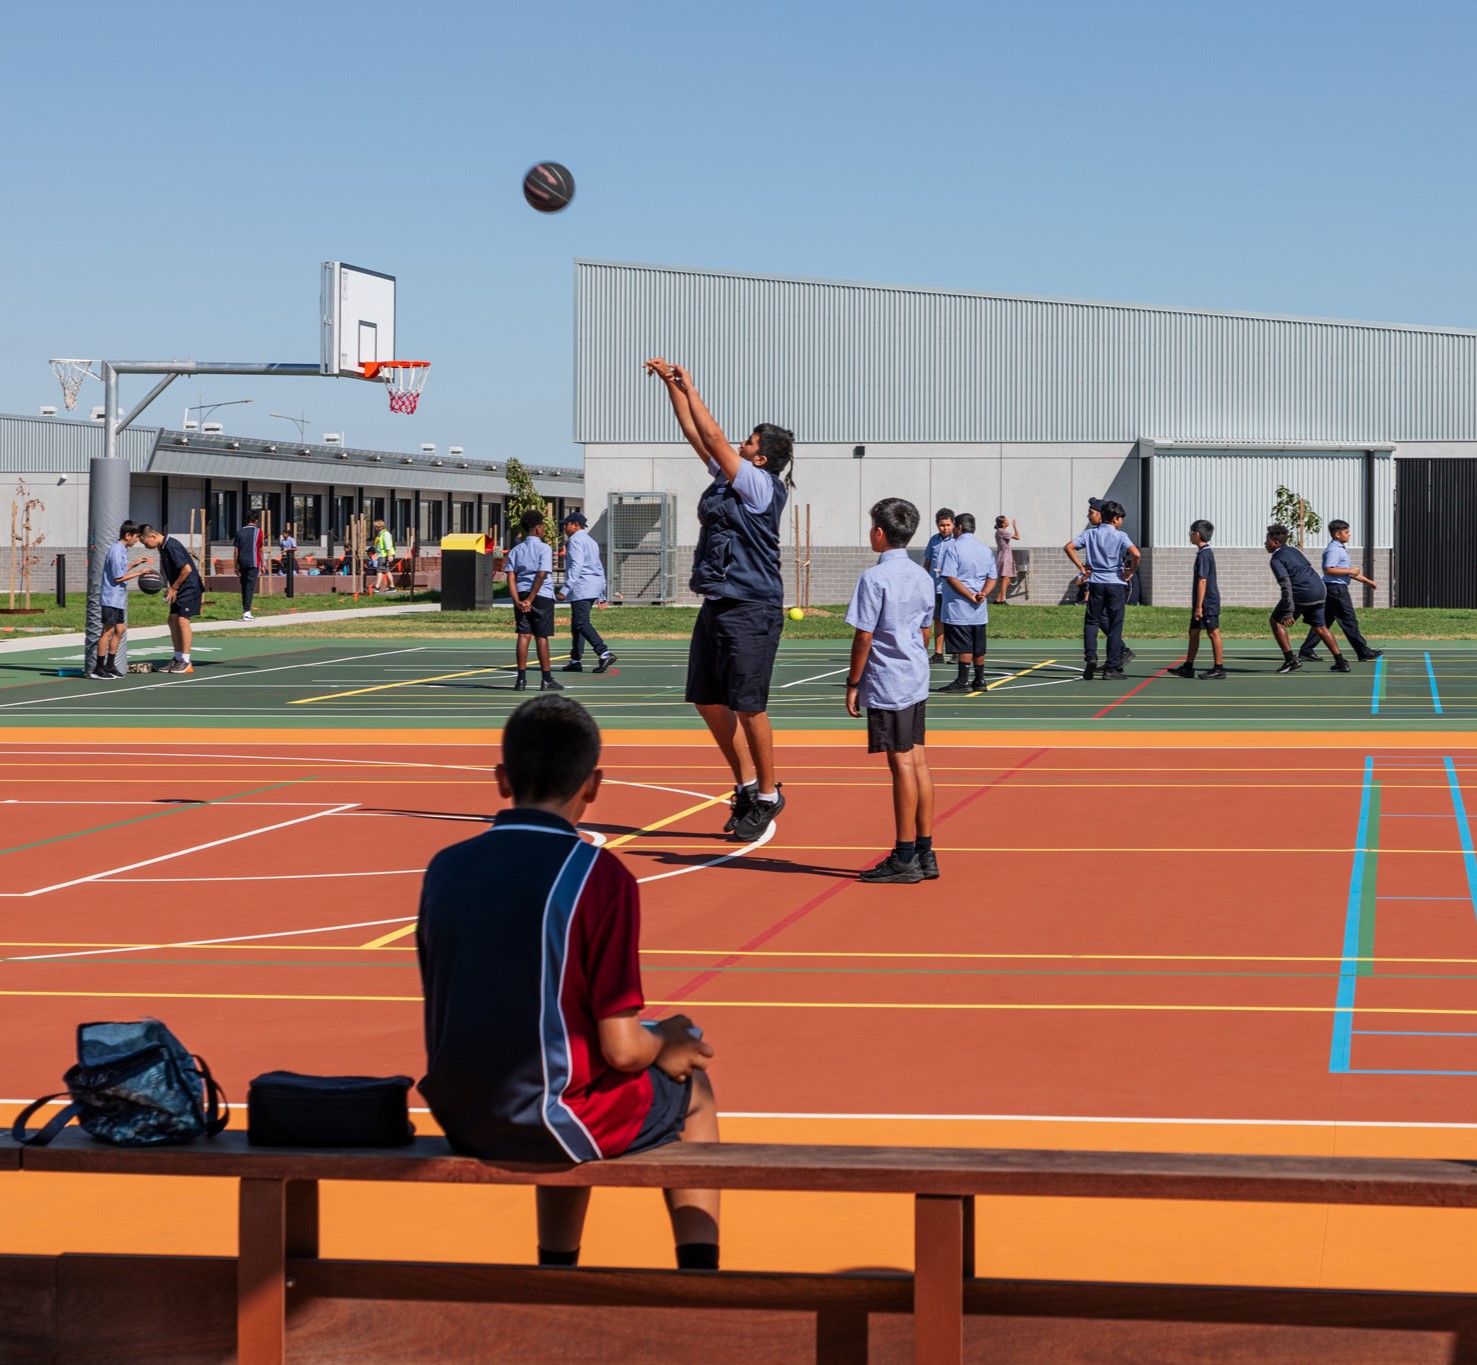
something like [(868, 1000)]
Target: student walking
[(383, 551), (967, 569), (891, 610), (584, 586), (1205, 605), (1338, 606), (248, 548), (1302, 596), (943, 519), (1106, 549)]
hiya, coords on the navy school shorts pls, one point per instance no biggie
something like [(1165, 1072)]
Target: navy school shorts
[(896, 732), (1310, 613), (964, 639), (731, 658), (538, 622)]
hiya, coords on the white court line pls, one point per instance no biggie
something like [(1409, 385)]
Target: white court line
[(179, 803), (278, 877), (178, 853), (1055, 682), (195, 680), (817, 678)]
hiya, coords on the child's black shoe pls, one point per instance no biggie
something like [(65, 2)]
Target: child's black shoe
[(930, 865), (891, 870)]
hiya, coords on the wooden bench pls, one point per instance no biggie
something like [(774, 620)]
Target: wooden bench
[(278, 1236)]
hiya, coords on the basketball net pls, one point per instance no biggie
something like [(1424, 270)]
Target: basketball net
[(72, 373), (403, 378)]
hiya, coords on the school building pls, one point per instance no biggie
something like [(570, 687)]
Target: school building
[(1026, 407), (215, 478)]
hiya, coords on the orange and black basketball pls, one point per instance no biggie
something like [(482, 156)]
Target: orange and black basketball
[(548, 186)]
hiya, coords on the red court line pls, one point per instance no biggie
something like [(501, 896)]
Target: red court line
[(835, 889), (1139, 688)]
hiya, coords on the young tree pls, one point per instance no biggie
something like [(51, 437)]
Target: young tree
[(522, 497), (1295, 512)]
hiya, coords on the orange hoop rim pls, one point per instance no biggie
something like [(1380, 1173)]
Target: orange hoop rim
[(372, 368)]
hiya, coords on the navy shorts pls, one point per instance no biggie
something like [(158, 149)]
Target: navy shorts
[(1210, 621), (964, 639), (667, 1116), (538, 622), (114, 616), (186, 604), (896, 732), (731, 658), (1310, 613), (938, 606)]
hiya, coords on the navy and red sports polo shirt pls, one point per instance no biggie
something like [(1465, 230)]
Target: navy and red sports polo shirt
[(527, 939)]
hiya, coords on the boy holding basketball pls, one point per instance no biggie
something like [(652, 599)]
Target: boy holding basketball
[(182, 590), (891, 611), (530, 569), (117, 571), (516, 1069)]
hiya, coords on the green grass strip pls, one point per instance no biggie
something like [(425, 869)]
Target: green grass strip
[(153, 815), (1367, 897)]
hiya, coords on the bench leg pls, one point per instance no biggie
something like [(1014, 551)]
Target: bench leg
[(302, 1220), (939, 1267), (261, 1273)]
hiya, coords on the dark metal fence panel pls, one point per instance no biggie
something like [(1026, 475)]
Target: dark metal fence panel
[(1435, 550)]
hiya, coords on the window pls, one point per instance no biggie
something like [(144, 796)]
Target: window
[(428, 529), (223, 521), (343, 513), (307, 516), (463, 517), (401, 527), (270, 506)]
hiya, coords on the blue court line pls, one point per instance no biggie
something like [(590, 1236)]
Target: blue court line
[(1463, 829), (1410, 1033), (1431, 674), (1379, 677), (1343, 1020)]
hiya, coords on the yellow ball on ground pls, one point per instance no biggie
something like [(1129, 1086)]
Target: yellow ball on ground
[(796, 614)]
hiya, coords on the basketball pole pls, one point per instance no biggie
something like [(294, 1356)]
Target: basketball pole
[(108, 477)]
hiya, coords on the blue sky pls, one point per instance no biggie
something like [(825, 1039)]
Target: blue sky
[(175, 173)]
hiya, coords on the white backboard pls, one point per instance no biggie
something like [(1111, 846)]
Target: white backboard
[(358, 309)]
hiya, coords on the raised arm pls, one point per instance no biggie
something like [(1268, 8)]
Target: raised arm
[(710, 441), (681, 404)]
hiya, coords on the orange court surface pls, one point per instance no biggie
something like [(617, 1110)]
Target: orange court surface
[(1253, 941)]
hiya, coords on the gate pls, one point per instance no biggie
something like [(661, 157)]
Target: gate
[(641, 547), (1435, 551)]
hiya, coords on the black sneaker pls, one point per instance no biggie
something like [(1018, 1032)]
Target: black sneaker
[(1216, 673), (1340, 665), (99, 670), (113, 671), (1114, 674), (549, 685), (758, 817), (1183, 671), (890, 870), (1088, 670), (743, 798), (573, 666), (1128, 655), (930, 865), (958, 685), (1370, 657), (936, 659), (520, 683), (606, 660), (1289, 666), (1313, 658)]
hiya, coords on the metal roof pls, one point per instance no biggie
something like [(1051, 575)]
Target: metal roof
[(55, 445), (841, 362)]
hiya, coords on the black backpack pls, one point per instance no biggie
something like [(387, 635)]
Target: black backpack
[(135, 1085)]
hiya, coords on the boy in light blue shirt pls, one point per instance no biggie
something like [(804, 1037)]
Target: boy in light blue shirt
[(891, 611), (968, 573), (944, 520), (584, 586), (117, 571), (1106, 548), (530, 570)]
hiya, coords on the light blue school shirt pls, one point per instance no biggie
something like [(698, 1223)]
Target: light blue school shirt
[(973, 564), (936, 542), (1103, 547), (1336, 556), (115, 594), (584, 578), (525, 560), (894, 600)]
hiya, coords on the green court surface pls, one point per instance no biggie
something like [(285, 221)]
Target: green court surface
[(456, 683)]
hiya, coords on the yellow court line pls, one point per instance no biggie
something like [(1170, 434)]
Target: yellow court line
[(393, 936), (409, 682), (386, 939), (1001, 681)]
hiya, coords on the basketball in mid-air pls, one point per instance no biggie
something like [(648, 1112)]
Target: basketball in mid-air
[(150, 582), (548, 186)]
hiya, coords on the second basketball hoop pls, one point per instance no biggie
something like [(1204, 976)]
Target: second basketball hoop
[(403, 378)]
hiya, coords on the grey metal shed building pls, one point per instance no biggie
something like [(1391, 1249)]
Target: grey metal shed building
[(996, 403)]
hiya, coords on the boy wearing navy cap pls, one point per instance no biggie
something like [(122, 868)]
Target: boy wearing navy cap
[(530, 569), (891, 611), (584, 586)]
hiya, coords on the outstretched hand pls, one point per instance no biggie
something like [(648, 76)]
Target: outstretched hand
[(659, 367)]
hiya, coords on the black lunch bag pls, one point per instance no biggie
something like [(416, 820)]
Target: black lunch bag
[(285, 1109), (135, 1085)]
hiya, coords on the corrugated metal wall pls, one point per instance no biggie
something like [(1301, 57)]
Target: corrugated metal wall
[(859, 363), (53, 445), (1235, 489)]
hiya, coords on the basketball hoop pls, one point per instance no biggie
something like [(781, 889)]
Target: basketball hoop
[(72, 373), (403, 378)]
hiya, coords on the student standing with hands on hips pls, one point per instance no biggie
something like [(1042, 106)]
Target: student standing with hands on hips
[(584, 586), (736, 570)]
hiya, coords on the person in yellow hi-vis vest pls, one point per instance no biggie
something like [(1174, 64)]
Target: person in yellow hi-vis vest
[(384, 553)]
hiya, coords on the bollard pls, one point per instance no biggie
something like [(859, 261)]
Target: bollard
[(61, 580), (289, 568)]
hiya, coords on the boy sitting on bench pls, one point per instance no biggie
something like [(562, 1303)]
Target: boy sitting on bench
[(528, 940)]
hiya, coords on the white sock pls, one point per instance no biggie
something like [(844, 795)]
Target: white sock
[(185, 657), (769, 798)]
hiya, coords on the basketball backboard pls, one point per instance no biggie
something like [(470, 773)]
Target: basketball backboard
[(358, 308)]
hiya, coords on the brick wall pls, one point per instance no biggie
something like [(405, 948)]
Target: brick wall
[(1244, 577), (43, 571)]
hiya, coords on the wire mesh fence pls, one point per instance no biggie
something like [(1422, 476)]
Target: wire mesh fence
[(641, 547)]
